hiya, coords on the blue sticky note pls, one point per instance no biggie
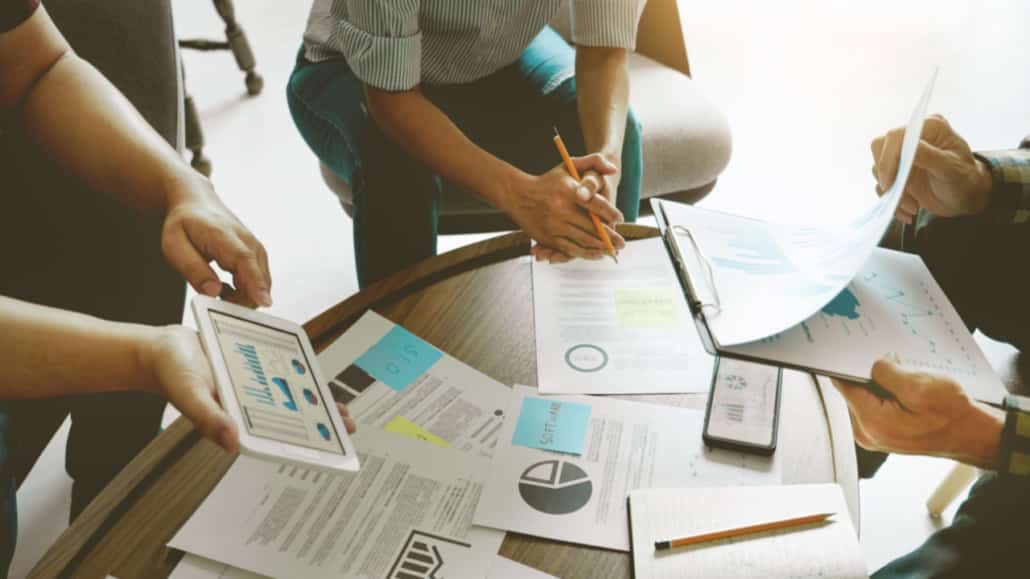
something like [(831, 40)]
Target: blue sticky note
[(398, 358), (552, 425)]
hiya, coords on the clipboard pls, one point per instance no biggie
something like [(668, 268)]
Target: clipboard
[(703, 300)]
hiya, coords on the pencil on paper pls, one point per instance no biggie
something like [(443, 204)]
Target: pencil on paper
[(571, 168), (748, 530)]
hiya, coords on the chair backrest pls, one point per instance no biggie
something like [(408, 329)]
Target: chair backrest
[(659, 34)]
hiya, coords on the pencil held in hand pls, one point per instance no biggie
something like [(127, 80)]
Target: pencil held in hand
[(750, 529), (571, 168)]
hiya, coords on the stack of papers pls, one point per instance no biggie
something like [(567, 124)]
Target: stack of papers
[(450, 460)]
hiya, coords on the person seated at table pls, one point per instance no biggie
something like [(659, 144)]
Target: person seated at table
[(972, 236), (394, 96), (69, 138)]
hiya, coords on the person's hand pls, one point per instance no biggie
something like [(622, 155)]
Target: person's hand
[(197, 229), (596, 184), (930, 415), (178, 369), (946, 179), (181, 373), (552, 209)]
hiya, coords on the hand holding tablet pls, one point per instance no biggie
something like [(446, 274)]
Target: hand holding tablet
[(269, 382)]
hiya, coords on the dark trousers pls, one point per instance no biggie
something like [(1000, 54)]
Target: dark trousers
[(982, 268), (510, 113), (67, 246)]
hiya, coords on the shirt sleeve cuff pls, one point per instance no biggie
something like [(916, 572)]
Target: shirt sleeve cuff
[(1010, 197), (1014, 454), (608, 23), (386, 63)]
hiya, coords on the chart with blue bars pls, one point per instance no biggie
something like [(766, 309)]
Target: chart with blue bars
[(258, 389)]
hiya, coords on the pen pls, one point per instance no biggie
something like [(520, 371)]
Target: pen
[(571, 168), (750, 529)]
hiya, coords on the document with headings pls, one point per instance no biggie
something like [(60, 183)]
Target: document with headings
[(581, 497), (393, 380), (625, 328), (409, 508), (828, 549)]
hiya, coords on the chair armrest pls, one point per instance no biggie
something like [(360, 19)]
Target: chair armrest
[(660, 35)]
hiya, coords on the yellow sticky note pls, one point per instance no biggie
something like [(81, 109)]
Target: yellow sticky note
[(647, 307), (405, 427)]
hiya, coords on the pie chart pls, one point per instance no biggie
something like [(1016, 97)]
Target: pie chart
[(555, 487)]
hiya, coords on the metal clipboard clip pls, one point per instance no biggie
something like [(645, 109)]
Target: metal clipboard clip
[(716, 303)]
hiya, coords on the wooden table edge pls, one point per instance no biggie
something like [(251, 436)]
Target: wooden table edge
[(115, 500)]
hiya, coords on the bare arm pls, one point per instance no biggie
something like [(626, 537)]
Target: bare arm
[(48, 352), (548, 207), (602, 93), (79, 119)]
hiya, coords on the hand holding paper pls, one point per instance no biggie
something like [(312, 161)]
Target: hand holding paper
[(930, 415)]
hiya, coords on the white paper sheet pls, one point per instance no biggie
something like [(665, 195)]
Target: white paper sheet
[(893, 306), (451, 401), (827, 550), (630, 445), (196, 567), (411, 502), (770, 277), (607, 328), (505, 568)]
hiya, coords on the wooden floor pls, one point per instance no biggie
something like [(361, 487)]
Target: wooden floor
[(806, 84)]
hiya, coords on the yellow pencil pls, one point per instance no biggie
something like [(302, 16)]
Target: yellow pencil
[(571, 168), (750, 529)]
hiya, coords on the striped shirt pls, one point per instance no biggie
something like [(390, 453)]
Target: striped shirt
[(1010, 170), (397, 44)]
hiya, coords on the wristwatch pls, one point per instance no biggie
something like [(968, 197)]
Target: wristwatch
[(1014, 452)]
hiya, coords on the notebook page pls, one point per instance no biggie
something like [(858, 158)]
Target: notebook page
[(828, 550)]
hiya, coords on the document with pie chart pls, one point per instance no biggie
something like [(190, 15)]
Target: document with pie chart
[(629, 445), (617, 328)]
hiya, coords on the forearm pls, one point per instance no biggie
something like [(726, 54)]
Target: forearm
[(77, 117), (50, 352), (602, 93), (425, 132)]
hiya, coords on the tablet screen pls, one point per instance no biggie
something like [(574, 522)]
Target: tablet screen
[(275, 388)]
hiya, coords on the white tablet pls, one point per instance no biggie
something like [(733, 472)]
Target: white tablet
[(269, 381)]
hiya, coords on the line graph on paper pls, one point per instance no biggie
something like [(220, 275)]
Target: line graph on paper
[(922, 317)]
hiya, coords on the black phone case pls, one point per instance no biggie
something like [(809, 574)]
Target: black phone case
[(716, 442)]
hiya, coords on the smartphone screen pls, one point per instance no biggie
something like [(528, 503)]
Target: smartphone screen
[(744, 403), (275, 387)]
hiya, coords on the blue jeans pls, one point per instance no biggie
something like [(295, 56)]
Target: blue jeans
[(509, 113)]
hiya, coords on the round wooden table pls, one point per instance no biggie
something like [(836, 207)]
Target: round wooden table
[(476, 304)]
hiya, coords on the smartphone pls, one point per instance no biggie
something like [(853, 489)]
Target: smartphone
[(743, 406), (269, 382)]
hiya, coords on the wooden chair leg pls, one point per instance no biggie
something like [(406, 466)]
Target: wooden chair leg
[(960, 477), (240, 46)]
